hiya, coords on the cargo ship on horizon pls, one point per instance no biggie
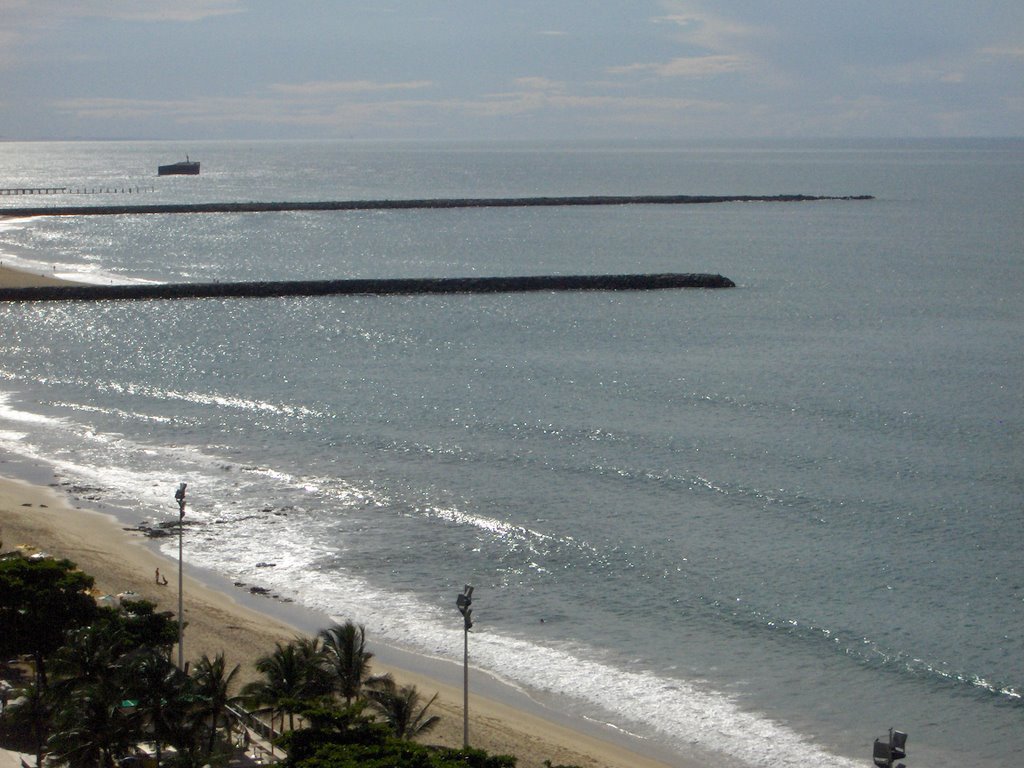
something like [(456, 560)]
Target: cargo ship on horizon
[(184, 167)]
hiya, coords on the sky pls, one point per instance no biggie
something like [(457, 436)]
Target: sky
[(510, 69)]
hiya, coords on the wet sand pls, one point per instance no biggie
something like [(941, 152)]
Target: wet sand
[(17, 278)]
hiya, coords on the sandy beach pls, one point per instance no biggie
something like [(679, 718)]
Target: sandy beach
[(44, 519), (17, 278)]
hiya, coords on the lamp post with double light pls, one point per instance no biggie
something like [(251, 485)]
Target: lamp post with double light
[(179, 496), (463, 601)]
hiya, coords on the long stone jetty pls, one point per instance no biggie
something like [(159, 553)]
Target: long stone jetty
[(377, 205), (408, 286)]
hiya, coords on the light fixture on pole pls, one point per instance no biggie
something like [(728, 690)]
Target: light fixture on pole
[(886, 753), (463, 601), (179, 496)]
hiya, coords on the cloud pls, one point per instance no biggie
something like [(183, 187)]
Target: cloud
[(688, 66), (48, 12), (707, 30), (8, 39), (968, 65), (715, 45), (912, 73), (538, 96), (535, 98), (26, 22), (330, 87), (111, 108), (540, 84), (1005, 51)]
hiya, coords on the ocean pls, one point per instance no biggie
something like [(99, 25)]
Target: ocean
[(761, 525)]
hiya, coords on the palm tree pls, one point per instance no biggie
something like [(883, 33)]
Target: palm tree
[(91, 726), (344, 646), (291, 678), (313, 656), (89, 656), (400, 707), (162, 695), (211, 685)]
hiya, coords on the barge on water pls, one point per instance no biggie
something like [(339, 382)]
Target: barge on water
[(185, 167)]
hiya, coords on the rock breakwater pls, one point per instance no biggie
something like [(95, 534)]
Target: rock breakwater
[(634, 282), (440, 203)]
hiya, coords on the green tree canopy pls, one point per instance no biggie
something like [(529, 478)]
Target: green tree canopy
[(40, 600), (144, 625), (395, 753)]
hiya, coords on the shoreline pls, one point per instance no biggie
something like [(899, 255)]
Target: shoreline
[(502, 719), (220, 615), (12, 277)]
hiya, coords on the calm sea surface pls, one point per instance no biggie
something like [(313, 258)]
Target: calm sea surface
[(768, 522)]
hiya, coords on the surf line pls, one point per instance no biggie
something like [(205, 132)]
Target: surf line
[(378, 287), (437, 203)]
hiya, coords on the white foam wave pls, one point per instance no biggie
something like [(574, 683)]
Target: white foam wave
[(12, 414), (122, 414), (212, 398), (672, 711)]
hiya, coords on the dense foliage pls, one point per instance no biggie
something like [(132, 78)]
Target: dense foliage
[(402, 754), (40, 600)]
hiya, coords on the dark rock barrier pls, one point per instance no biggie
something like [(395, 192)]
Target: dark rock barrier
[(368, 287), (365, 205)]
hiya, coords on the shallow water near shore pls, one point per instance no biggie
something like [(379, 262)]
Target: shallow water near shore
[(769, 522)]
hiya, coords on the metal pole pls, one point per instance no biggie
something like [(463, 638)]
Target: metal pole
[(465, 688), (463, 602), (179, 495), (181, 601)]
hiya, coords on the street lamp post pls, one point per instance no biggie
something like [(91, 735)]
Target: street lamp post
[(463, 601), (179, 496)]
